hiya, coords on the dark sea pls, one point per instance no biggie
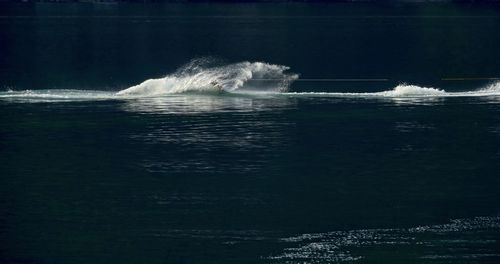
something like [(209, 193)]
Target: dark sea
[(249, 133)]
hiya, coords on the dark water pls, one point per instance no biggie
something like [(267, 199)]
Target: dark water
[(356, 168)]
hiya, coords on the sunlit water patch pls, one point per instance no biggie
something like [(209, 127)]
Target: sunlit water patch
[(475, 240), (193, 104)]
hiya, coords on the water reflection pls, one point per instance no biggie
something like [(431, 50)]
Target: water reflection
[(194, 104), (435, 101), (321, 97), (417, 101), (413, 126), (226, 143), (210, 133)]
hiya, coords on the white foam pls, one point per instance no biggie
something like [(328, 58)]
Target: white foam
[(195, 77), (57, 95), (404, 90), (493, 88), (254, 78), (409, 91)]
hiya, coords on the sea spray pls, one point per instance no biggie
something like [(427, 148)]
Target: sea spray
[(243, 78), (196, 77), (493, 87), (405, 90)]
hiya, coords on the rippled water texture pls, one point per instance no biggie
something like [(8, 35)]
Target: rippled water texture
[(249, 133)]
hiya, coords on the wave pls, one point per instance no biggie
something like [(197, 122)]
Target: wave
[(204, 77), (409, 91), (197, 77), (203, 83)]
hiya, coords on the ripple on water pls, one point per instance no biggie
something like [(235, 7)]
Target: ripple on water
[(474, 239)]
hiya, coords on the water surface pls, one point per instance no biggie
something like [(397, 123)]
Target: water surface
[(209, 133)]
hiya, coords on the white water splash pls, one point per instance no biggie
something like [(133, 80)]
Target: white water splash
[(404, 90), (409, 91), (201, 77), (195, 77)]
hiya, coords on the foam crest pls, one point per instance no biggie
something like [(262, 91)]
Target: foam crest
[(405, 90), (197, 76), (410, 91)]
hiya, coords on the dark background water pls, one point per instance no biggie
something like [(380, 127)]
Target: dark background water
[(223, 179), (112, 46)]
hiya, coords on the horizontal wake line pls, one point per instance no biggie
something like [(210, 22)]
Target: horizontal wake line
[(376, 80), (326, 80), (469, 79), (236, 16)]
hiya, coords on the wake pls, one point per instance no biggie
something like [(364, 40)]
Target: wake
[(202, 77), (409, 91), (196, 77)]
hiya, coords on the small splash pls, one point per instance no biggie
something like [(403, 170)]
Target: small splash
[(408, 91), (404, 90), (7, 88), (492, 88)]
